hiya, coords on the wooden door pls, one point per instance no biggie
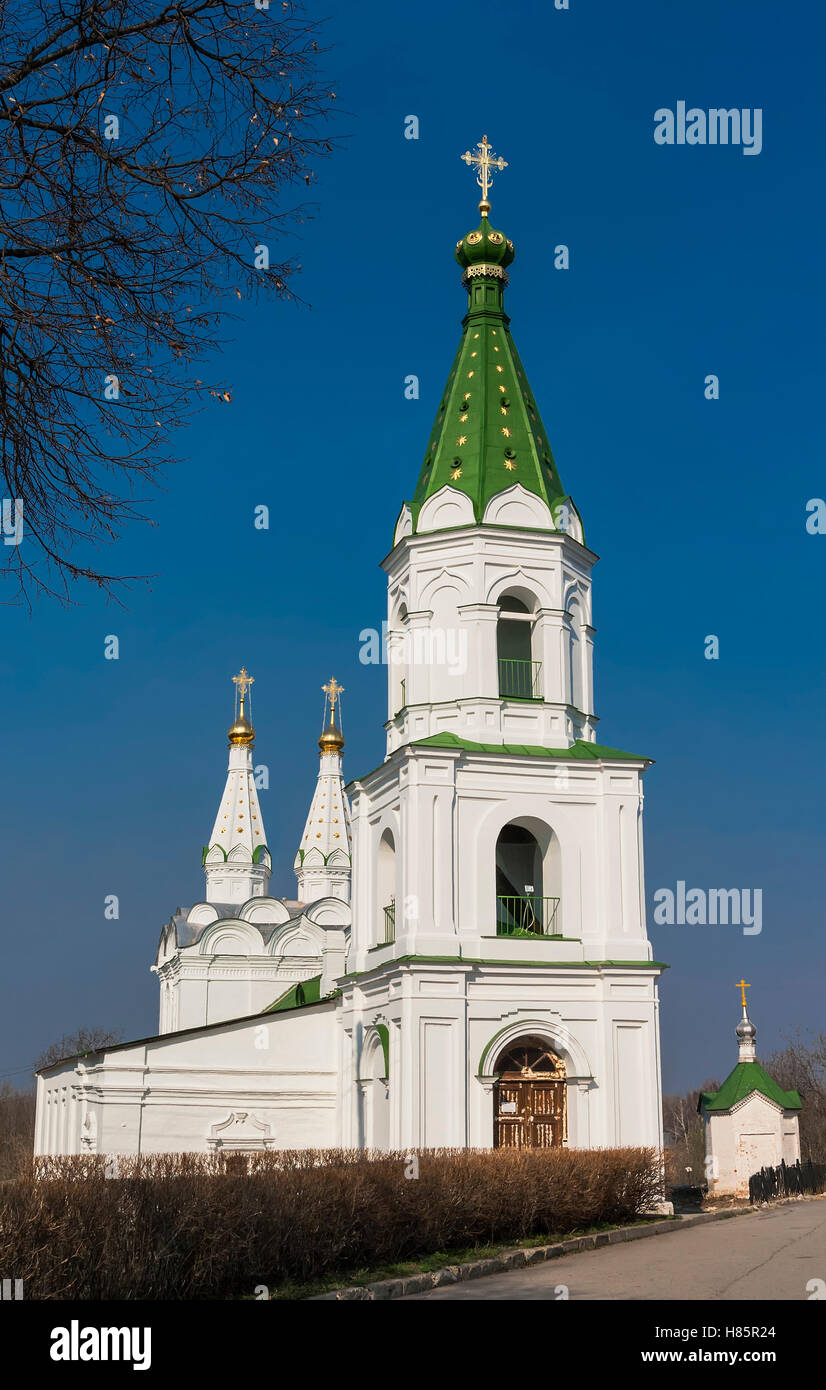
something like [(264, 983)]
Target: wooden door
[(529, 1100)]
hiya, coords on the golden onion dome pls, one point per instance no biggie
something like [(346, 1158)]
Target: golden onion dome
[(241, 732), (332, 739)]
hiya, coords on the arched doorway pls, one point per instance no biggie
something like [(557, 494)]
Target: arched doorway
[(375, 1092), (529, 1097)]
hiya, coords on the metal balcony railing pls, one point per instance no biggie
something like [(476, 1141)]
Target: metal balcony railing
[(389, 923), (519, 680), (528, 915)]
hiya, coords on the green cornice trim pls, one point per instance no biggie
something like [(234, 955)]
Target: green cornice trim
[(580, 751), (747, 1078), (652, 965), (258, 851)]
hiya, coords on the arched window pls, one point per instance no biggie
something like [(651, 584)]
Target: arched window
[(399, 660), (386, 888), (518, 672), (576, 654), (523, 907)]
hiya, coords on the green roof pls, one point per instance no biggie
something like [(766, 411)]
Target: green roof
[(488, 434), (579, 751), (305, 992), (746, 1078)]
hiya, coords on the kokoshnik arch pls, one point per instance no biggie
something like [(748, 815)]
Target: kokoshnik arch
[(466, 961)]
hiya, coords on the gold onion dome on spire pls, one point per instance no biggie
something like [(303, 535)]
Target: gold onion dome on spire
[(484, 246), (332, 739), (241, 732)]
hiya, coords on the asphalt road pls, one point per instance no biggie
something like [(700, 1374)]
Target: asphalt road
[(769, 1254)]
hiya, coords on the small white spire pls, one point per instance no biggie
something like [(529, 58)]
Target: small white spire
[(237, 861), (323, 862)]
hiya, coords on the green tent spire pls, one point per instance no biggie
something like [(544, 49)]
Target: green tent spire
[(488, 434)]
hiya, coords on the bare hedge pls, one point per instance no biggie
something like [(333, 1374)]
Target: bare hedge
[(181, 1226)]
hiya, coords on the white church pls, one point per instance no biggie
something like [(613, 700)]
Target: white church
[(464, 961)]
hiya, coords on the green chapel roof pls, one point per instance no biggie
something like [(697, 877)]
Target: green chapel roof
[(746, 1078), (488, 434)]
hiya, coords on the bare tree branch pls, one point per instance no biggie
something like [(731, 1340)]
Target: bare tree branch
[(147, 157)]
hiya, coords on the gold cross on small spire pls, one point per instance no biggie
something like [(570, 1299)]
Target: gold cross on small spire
[(334, 691), (484, 162), (242, 682), (742, 986)]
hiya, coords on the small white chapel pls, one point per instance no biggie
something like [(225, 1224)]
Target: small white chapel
[(464, 959), (751, 1122)]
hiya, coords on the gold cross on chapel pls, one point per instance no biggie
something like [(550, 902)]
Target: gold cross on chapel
[(334, 692), (242, 682), (484, 162), (742, 986)]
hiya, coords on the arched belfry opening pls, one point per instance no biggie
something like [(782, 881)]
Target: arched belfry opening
[(386, 888), (529, 1097), (519, 674), (526, 869)]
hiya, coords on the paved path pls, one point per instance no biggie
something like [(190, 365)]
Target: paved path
[(769, 1254)]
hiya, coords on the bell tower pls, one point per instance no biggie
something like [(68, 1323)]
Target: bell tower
[(498, 891)]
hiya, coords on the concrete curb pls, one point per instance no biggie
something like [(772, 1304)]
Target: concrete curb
[(518, 1259)]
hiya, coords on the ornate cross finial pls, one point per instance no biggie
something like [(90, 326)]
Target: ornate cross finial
[(333, 691), (742, 986), (242, 682), (484, 162)]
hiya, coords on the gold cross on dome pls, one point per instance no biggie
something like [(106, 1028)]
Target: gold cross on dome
[(484, 162), (334, 691), (243, 681), (742, 986)]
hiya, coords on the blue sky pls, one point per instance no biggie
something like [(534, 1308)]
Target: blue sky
[(685, 261)]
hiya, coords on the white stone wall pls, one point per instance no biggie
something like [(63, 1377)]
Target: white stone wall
[(171, 1093), (445, 809), (756, 1134), (443, 1020)]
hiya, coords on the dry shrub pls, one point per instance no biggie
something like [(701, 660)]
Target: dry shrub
[(178, 1226)]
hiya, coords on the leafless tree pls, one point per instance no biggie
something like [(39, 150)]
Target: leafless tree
[(74, 1044), (148, 157), (801, 1066)]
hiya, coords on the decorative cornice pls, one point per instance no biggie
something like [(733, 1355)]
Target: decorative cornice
[(494, 271)]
